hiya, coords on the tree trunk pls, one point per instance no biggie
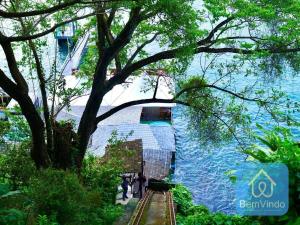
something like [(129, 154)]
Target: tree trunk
[(42, 83), (39, 149), (64, 153), (88, 123), (87, 126)]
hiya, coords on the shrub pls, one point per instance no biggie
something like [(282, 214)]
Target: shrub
[(50, 197), (18, 129), (44, 220), (57, 193), (279, 146), (4, 188), (12, 216), (183, 198), (189, 214), (101, 176), (16, 165), (4, 128)]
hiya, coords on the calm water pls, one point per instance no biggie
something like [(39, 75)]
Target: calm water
[(202, 168)]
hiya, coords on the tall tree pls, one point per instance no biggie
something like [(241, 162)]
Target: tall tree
[(263, 34)]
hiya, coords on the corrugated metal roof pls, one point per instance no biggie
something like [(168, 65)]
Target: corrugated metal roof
[(158, 142), (165, 137), (130, 115), (139, 131), (157, 163)]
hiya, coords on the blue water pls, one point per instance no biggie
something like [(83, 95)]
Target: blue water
[(202, 169)]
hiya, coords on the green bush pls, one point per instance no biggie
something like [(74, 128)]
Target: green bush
[(50, 197), (183, 198), (59, 193), (4, 128), (4, 188), (189, 214), (12, 216), (16, 165), (17, 129), (44, 220), (101, 176), (279, 146)]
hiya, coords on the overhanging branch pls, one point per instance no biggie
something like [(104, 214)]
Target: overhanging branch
[(55, 8), (52, 9), (173, 100), (41, 34), (133, 103)]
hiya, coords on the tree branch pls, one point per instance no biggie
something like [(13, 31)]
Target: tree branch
[(110, 53), (109, 37), (140, 48), (111, 17), (52, 29), (174, 100), (48, 10), (55, 8), (8, 85), (12, 64), (125, 36), (181, 92), (214, 30), (42, 82), (170, 54), (132, 103), (156, 87)]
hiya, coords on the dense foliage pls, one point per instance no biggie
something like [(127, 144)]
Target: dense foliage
[(190, 214), (50, 197), (280, 146)]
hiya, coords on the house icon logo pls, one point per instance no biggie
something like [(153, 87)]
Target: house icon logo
[(262, 189), (262, 185)]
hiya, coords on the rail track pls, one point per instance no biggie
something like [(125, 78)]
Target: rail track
[(155, 208), (171, 209)]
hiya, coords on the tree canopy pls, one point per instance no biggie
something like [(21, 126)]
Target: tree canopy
[(235, 37)]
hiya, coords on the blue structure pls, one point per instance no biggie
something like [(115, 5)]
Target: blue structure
[(73, 59), (4, 100), (65, 33)]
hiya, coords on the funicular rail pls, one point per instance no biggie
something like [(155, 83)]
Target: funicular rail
[(140, 208), (171, 209), (140, 215)]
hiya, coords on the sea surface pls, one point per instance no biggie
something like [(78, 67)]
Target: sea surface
[(202, 168)]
